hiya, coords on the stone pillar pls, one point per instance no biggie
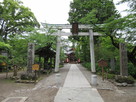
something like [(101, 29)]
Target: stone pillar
[(112, 64), (92, 55), (30, 59), (123, 60), (57, 60)]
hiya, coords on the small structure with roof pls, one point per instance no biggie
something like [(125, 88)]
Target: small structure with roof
[(48, 54)]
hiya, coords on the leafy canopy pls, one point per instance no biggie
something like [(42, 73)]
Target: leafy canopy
[(15, 18)]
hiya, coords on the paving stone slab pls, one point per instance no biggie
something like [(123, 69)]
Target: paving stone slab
[(77, 94), (77, 89)]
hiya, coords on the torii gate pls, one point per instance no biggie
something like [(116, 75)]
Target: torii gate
[(68, 26)]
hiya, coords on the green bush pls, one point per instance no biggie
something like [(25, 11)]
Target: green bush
[(123, 79), (132, 70), (98, 69), (111, 76), (28, 77), (87, 65)]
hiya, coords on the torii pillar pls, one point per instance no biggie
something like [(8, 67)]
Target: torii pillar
[(92, 55), (57, 59)]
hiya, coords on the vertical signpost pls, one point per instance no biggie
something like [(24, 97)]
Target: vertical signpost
[(102, 63), (35, 68)]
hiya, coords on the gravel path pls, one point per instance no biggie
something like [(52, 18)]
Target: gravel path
[(46, 89), (111, 93)]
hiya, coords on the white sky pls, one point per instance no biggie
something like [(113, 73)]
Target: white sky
[(55, 11), (50, 11)]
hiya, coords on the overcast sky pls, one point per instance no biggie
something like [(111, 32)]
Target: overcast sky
[(50, 11), (54, 11)]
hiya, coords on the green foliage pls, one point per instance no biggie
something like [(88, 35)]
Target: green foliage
[(94, 11), (121, 28), (122, 79), (19, 45), (19, 50), (132, 70), (42, 39), (4, 46), (28, 77), (87, 65), (15, 18), (105, 49), (110, 76), (98, 69), (3, 59)]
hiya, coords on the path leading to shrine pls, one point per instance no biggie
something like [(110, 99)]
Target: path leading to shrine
[(46, 90), (77, 89)]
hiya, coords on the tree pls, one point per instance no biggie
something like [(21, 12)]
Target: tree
[(15, 18), (4, 46), (96, 11), (91, 12), (123, 30), (105, 19), (19, 45)]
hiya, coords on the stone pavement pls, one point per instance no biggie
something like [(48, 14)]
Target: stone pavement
[(77, 89)]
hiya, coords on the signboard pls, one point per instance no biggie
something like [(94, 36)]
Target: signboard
[(35, 67), (3, 64), (102, 63)]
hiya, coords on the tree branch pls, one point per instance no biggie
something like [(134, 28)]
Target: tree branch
[(115, 44)]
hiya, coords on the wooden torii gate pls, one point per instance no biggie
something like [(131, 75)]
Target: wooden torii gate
[(59, 27)]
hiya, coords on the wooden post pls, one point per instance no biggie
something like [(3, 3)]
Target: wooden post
[(30, 55), (102, 73), (15, 70), (6, 72), (123, 60), (102, 63)]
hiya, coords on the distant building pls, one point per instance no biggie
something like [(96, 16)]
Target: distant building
[(71, 57)]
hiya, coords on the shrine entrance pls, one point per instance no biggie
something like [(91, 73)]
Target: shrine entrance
[(75, 32)]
